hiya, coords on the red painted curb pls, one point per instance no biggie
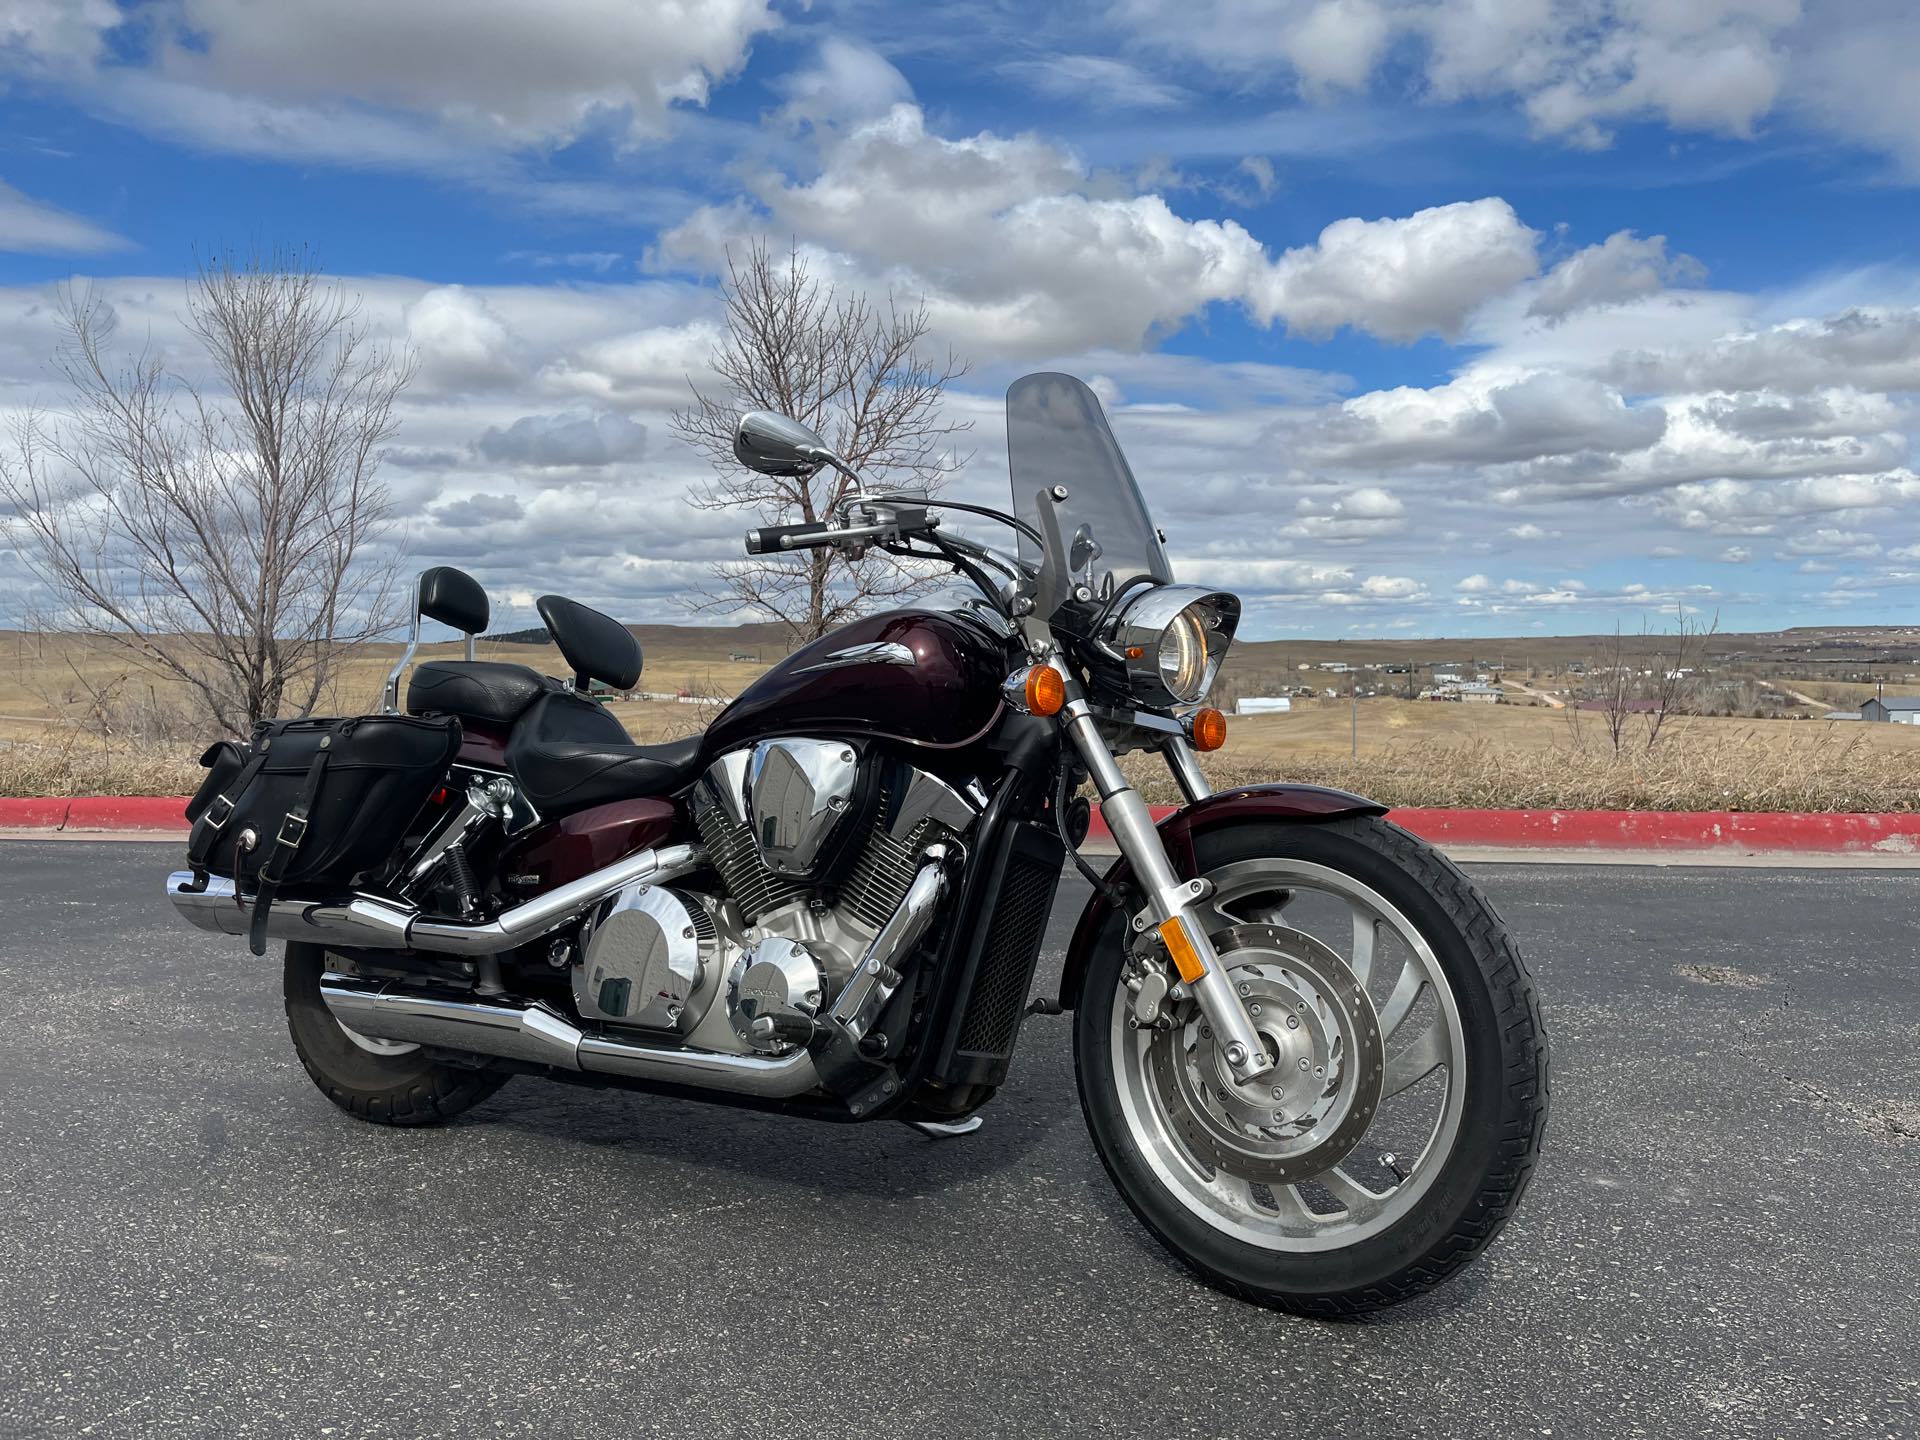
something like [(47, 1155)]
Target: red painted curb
[(33, 814), (1809, 833), (1825, 834), (96, 812)]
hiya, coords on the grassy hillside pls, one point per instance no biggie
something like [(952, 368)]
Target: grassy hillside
[(1409, 752)]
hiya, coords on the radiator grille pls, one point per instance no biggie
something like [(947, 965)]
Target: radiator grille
[(1006, 964)]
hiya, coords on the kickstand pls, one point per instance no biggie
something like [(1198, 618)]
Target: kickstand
[(947, 1129)]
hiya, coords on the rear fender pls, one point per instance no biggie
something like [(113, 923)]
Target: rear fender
[(1293, 804)]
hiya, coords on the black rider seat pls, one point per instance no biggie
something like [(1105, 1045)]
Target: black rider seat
[(488, 690), (567, 751), (568, 754)]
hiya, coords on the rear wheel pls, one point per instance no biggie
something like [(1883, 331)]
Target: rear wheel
[(1402, 1118), (382, 1081)]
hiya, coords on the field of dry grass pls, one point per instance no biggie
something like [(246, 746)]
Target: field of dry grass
[(1410, 752)]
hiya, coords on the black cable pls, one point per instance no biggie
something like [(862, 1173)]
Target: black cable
[(954, 558), (1113, 601), (1014, 520), (1109, 893)]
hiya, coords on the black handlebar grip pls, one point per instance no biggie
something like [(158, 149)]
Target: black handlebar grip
[(772, 539)]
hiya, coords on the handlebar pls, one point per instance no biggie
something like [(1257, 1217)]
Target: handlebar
[(772, 539), (888, 520)]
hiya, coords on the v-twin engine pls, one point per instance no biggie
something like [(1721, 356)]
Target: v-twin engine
[(818, 847)]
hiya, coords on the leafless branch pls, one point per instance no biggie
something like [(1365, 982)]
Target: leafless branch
[(852, 371), (221, 536)]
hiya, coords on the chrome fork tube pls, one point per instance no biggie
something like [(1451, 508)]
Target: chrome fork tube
[(1169, 898), (1186, 770)]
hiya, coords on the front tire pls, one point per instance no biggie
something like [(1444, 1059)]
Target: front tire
[(1409, 1019), (372, 1080)]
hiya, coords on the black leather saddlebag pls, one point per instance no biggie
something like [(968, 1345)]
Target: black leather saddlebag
[(309, 804)]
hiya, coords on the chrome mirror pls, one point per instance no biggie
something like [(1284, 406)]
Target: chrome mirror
[(776, 445)]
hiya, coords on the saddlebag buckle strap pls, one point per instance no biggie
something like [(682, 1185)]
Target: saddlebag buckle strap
[(293, 830), (217, 821)]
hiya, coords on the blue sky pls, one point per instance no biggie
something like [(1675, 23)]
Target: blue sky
[(1416, 317)]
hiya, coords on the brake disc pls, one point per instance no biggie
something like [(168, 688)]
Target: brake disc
[(1323, 1035)]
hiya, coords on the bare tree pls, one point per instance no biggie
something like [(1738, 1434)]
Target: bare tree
[(853, 372), (1674, 679), (1619, 685), (1655, 678), (221, 533)]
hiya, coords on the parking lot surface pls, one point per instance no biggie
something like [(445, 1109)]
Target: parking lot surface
[(1723, 1236)]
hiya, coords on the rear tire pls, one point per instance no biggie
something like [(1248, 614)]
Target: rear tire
[(401, 1087), (1466, 1193)]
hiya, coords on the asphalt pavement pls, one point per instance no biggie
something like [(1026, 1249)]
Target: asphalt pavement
[(1723, 1237)]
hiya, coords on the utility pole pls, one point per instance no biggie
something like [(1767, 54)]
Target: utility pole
[(1353, 701)]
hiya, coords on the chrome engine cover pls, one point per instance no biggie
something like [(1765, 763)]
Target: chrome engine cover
[(773, 992), (648, 952), (798, 795), (788, 943)]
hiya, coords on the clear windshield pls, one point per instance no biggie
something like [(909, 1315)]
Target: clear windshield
[(1057, 435)]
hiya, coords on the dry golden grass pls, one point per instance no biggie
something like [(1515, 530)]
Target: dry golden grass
[(1823, 768), (81, 765), (1410, 752), (1817, 768), (47, 682)]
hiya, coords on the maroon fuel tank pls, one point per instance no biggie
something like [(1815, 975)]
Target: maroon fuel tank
[(928, 678)]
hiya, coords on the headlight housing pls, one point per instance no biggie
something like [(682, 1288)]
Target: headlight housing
[(1172, 639)]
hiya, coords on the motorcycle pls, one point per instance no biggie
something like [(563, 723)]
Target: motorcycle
[(1308, 1052)]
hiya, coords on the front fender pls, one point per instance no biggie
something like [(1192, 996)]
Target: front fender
[(1297, 804)]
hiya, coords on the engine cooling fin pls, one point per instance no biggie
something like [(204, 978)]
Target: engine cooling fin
[(886, 867), (730, 849)]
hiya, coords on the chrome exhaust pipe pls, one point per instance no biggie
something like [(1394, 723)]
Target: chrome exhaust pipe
[(541, 1036), (366, 922)]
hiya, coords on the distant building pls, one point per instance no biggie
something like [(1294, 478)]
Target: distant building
[(1263, 705), (1475, 693), (1841, 715), (1899, 709), (1446, 677)]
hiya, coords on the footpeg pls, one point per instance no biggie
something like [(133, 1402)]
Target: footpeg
[(786, 1027)]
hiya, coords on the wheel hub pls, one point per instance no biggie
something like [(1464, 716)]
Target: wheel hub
[(1320, 1029)]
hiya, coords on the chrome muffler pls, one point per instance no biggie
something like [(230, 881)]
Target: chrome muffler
[(533, 1033), (366, 922)]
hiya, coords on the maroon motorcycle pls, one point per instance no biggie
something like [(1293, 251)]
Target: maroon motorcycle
[(1308, 1052)]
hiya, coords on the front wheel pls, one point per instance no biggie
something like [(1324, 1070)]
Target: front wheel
[(1401, 1121)]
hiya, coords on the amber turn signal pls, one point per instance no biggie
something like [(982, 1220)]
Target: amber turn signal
[(1044, 691), (1186, 957), (1208, 729)]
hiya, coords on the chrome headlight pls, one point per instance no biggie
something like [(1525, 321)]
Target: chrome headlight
[(1172, 639)]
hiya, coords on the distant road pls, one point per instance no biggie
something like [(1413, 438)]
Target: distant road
[(1554, 702)]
